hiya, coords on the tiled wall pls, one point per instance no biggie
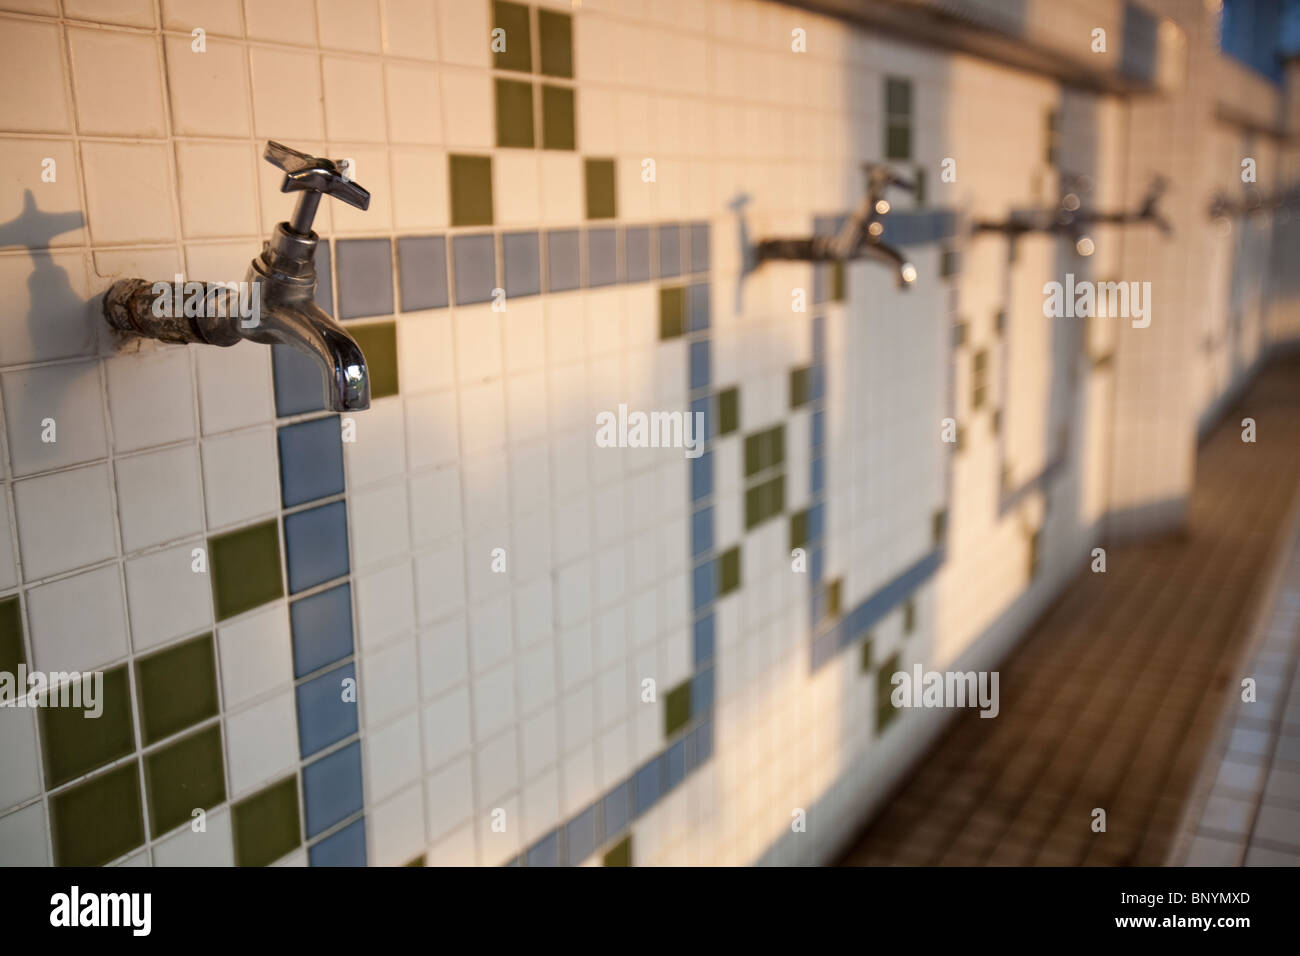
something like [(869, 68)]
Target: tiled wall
[(424, 632)]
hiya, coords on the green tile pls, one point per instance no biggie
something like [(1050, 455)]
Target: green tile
[(672, 311), (514, 114), (245, 568), (266, 824), (728, 411), (909, 616), (800, 387), (885, 710), (764, 500), (728, 571), (764, 450), (833, 599), (11, 636), (555, 31), (837, 282), (918, 178), (866, 654), (620, 854), (517, 38), (415, 861), (949, 262), (378, 343), (471, 190), (184, 777), (76, 743), (677, 708), (898, 96), (99, 820), (1035, 553), (997, 421), (938, 525), (600, 189), (898, 140), (557, 118), (798, 529), (177, 688)]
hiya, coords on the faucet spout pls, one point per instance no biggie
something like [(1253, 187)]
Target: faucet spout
[(309, 328)]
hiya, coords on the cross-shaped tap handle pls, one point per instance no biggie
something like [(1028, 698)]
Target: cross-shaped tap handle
[(312, 176)]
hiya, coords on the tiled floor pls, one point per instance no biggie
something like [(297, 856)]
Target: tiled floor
[(1112, 700)]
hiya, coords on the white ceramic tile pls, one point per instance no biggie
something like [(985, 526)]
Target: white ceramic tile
[(516, 182), (167, 598), (449, 796), (496, 770), (440, 582), (446, 727), (385, 605), (234, 386), (281, 21), (410, 29), (395, 828), (213, 16), (378, 521), (218, 189), (562, 189), (354, 101), (444, 655), (213, 846), (524, 333), (539, 740), (286, 94), (349, 25), (23, 837), (158, 497), (208, 90), (482, 417), (389, 682), (22, 776), (494, 701), (8, 567), (470, 125), (123, 201), (149, 398), (464, 32), (255, 654), (419, 191), (132, 13), (241, 477), (425, 352), (118, 83), (489, 631), (392, 757), (537, 680), (379, 451), (65, 521), (78, 623), (27, 165), (414, 103), (262, 742), (541, 799), (69, 397), (31, 60), (432, 429), (496, 846)]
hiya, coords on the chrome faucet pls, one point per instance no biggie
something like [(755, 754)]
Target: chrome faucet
[(276, 305), (859, 238)]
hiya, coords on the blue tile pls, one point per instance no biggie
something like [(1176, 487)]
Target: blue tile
[(563, 260), (602, 257), (818, 429), (345, 848), (316, 543), (299, 381), (702, 476), (699, 359), (815, 565), (674, 765), (648, 784), (324, 717), (702, 693), (821, 283), (697, 307), (322, 629), (818, 475), (816, 521), (704, 584), (670, 250), (311, 460), (617, 809), (332, 788), (699, 247), (636, 252), (703, 741), (365, 277), (704, 641), (546, 851), (422, 272), (476, 268), (702, 411), (819, 337), (583, 835), (818, 375), (701, 531), (324, 270), (521, 256)]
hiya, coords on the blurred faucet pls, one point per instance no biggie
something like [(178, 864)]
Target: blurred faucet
[(860, 236), (276, 304)]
